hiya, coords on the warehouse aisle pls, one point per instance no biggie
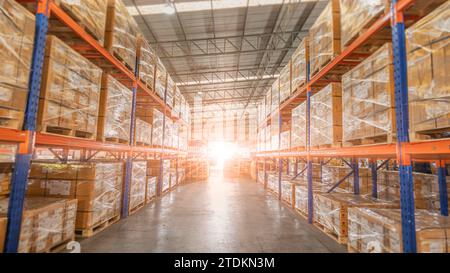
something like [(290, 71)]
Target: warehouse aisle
[(223, 215)]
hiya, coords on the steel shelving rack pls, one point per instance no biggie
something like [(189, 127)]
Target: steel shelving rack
[(28, 140), (404, 151)]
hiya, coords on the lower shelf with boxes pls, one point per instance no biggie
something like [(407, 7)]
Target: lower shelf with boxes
[(79, 199), (364, 223)]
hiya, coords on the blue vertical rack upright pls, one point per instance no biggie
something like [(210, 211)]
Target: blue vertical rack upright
[(19, 178), (402, 122)]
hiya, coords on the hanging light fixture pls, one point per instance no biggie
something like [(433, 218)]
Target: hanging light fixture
[(169, 9)]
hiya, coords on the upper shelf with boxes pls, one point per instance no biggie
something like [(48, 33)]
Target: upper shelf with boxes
[(94, 57), (356, 61)]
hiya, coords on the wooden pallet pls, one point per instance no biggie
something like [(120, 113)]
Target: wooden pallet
[(89, 232), (338, 238), (57, 130), (120, 59), (438, 133), (136, 208), (301, 213), (60, 247), (115, 140), (10, 118), (351, 249), (380, 139), (143, 144), (328, 146)]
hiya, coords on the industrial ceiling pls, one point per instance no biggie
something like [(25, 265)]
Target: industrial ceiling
[(226, 51)]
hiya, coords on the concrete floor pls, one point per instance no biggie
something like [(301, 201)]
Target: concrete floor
[(222, 215)]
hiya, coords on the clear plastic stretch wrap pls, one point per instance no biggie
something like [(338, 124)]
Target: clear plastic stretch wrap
[(368, 98), (428, 47), (168, 133), (326, 116), (3, 226), (155, 118), (285, 82), (261, 177), (173, 178), (272, 181), (380, 231), (115, 111), (150, 192), (275, 130), (177, 102), (181, 175), (147, 61), (331, 210), (268, 139), (89, 13), (356, 15), (143, 132), (285, 139), (16, 50), (324, 37), (138, 185), (170, 90), (275, 100), (261, 112), (301, 194), (121, 33), (426, 189), (96, 186), (70, 92), (46, 223), (300, 60), (298, 131), (333, 174), (287, 188), (165, 175), (160, 79), (176, 135)]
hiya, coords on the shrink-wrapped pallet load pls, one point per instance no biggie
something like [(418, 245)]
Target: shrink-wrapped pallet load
[(331, 211), (358, 15), (160, 79), (298, 126), (368, 98), (96, 186), (268, 100), (155, 119), (17, 27), (324, 37), (150, 192), (299, 61), (147, 62), (428, 47), (426, 189), (91, 14), (285, 82), (115, 111), (121, 33), (138, 186), (168, 133), (332, 174), (165, 175), (171, 87), (326, 116), (272, 182), (285, 139), (143, 132), (380, 231), (47, 223), (70, 92)]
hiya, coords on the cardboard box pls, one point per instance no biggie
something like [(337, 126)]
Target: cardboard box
[(368, 96), (326, 116), (285, 82), (151, 188), (358, 15), (331, 211), (428, 65), (121, 34), (299, 61), (380, 231), (115, 111), (138, 185), (325, 37), (143, 132), (17, 27), (70, 92), (46, 223), (89, 13), (161, 77), (3, 227)]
